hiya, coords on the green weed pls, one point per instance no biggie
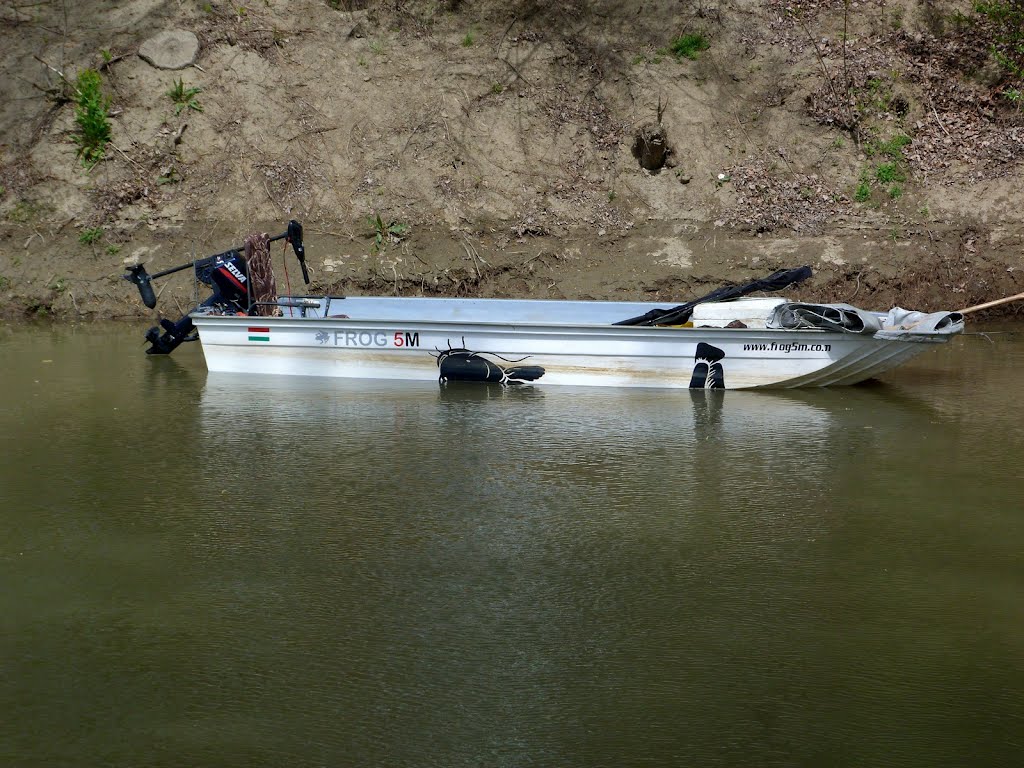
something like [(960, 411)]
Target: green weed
[(91, 118), (467, 41), (874, 97), (113, 249), (689, 46), (22, 211), (863, 192), (385, 232), (892, 148), (26, 210), (887, 173), (90, 236), (4, 283), (184, 97)]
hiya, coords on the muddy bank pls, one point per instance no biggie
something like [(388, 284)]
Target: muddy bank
[(934, 267)]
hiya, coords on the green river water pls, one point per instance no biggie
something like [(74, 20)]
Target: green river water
[(209, 570)]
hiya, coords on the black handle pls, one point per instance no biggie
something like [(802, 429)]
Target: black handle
[(295, 238)]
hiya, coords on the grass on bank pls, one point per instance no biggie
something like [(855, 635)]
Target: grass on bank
[(90, 236), (184, 97), (689, 46), (91, 121), (385, 231)]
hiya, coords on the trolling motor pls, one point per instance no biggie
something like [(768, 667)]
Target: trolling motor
[(226, 273)]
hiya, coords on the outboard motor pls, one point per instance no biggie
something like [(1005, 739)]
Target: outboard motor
[(229, 274), (226, 273)]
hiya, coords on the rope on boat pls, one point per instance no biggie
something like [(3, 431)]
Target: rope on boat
[(261, 274)]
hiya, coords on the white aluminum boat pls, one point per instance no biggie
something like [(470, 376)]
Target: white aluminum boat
[(559, 342), (742, 343)]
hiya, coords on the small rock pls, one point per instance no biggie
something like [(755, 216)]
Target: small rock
[(353, 24), (170, 49)]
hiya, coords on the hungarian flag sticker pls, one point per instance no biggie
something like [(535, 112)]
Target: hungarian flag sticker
[(259, 334)]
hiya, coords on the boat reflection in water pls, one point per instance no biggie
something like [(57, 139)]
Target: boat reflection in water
[(303, 410), (298, 410), (395, 430), (645, 453), (514, 469)]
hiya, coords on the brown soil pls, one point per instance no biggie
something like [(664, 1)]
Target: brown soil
[(501, 137)]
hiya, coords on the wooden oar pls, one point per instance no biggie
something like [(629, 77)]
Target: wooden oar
[(988, 304)]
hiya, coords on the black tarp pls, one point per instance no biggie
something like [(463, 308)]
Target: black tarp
[(679, 315)]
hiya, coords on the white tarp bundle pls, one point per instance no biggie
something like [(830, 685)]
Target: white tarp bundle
[(897, 324)]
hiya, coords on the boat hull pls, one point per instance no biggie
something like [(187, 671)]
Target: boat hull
[(589, 353)]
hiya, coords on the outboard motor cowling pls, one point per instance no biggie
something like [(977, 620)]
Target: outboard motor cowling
[(230, 276)]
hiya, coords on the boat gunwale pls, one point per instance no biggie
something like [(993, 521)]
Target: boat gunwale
[(532, 325)]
